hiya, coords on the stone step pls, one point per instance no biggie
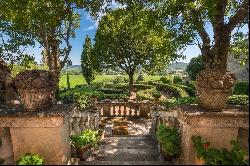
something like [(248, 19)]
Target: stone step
[(126, 154), (124, 163), (128, 145), (129, 140)]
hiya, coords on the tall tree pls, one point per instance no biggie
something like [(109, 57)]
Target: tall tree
[(86, 61), (132, 37), (50, 23), (192, 18), (194, 67)]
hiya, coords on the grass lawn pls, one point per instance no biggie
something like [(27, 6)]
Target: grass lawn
[(79, 80)]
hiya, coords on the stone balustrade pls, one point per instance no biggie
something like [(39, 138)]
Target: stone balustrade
[(124, 109), (81, 120)]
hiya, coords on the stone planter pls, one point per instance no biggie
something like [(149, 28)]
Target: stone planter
[(213, 88), (36, 89)]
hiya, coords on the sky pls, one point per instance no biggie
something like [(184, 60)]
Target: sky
[(88, 26)]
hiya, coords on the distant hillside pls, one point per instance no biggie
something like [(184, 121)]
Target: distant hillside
[(76, 69), (177, 66)]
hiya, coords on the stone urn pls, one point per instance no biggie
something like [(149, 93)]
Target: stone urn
[(213, 88), (36, 89)]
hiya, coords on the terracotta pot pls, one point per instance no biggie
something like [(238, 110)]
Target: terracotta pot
[(83, 153), (213, 88), (36, 89)]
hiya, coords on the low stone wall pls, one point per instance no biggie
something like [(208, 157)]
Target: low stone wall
[(45, 133), (219, 128)]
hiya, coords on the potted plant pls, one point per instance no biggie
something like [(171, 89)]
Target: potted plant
[(30, 159), (84, 141), (156, 95), (169, 139)]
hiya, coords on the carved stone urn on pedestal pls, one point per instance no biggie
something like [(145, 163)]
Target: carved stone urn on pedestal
[(213, 88), (36, 88)]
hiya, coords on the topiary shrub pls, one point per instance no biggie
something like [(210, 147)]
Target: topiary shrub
[(177, 80), (156, 94), (241, 88), (30, 159), (170, 139), (167, 79), (191, 92), (171, 89), (238, 100)]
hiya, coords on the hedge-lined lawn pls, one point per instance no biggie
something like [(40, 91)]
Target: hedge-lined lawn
[(79, 80)]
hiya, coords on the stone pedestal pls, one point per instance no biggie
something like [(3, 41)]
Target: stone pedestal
[(219, 128), (45, 132)]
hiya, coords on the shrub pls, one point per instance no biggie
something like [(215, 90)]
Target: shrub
[(142, 86), (190, 84), (122, 96), (170, 139), (177, 80), (82, 100), (174, 90), (156, 94), (30, 159), (241, 88), (169, 103), (213, 156), (167, 79), (86, 137), (238, 100), (145, 94), (191, 92), (187, 100)]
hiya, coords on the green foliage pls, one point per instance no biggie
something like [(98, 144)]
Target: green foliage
[(241, 88), (170, 139), (87, 60), (213, 156), (171, 89), (30, 159), (187, 100), (194, 67), (146, 94), (177, 80), (68, 82), (140, 78), (82, 100), (142, 86), (191, 92), (238, 100), (119, 79), (167, 79), (190, 84), (15, 68), (85, 138), (169, 103), (121, 96), (136, 38), (156, 94)]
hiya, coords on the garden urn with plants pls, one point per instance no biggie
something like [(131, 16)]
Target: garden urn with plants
[(36, 89), (213, 88)]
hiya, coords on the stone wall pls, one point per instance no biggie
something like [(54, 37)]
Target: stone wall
[(45, 133)]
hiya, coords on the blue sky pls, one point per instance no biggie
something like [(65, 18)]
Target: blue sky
[(88, 26)]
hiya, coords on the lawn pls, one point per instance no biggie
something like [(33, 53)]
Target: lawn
[(79, 80)]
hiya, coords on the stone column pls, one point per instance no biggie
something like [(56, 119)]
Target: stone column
[(219, 128), (45, 133)]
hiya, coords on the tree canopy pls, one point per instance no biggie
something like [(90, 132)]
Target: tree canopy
[(132, 37), (190, 19)]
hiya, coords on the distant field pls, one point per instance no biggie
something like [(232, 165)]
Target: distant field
[(79, 80)]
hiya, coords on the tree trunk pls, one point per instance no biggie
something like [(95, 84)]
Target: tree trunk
[(131, 82)]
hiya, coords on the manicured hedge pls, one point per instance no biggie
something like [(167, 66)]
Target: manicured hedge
[(191, 92), (177, 80), (143, 86), (111, 91), (174, 90), (241, 88), (238, 100), (167, 79)]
